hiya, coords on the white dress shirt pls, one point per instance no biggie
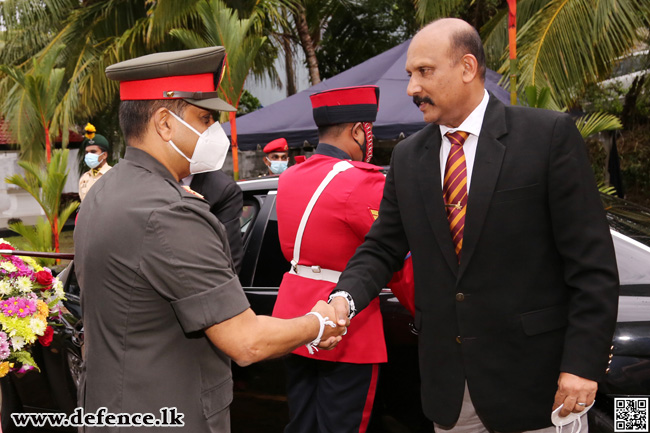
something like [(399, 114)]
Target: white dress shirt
[(472, 125)]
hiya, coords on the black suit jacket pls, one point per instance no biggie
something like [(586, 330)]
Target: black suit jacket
[(536, 291), (226, 203)]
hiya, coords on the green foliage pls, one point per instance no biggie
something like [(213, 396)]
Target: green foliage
[(567, 44), (222, 26), (588, 124), (475, 12), (594, 123), (363, 30), (540, 98), (37, 238), (46, 186), (248, 103), (609, 190), (32, 106)]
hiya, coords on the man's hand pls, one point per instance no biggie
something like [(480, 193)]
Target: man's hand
[(331, 335), (572, 390), (342, 308)]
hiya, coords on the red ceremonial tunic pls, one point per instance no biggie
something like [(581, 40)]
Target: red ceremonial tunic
[(337, 225)]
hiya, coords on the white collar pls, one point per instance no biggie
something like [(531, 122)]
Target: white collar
[(473, 123)]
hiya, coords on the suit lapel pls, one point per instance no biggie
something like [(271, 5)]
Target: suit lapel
[(431, 188), (487, 166), (197, 183)]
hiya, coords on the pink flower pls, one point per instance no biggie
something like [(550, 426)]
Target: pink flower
[(20, 307), (25, 368), (4, 346)]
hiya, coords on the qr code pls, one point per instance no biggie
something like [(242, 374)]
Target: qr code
[(631, 414)]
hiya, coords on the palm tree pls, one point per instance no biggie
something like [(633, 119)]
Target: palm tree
[(46, 186), (310, 18), (563, 44), (32, 105), (222, 26)]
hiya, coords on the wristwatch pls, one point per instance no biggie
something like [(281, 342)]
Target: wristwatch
[(346, 295)]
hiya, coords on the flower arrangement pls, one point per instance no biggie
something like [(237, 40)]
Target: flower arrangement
[(30, 298)]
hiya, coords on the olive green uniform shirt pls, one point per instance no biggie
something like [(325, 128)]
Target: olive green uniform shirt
[(155, 270)]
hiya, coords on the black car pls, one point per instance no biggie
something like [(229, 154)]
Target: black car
[(260, 403)]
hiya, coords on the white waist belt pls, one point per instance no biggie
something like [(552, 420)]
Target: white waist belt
[(316, 273)]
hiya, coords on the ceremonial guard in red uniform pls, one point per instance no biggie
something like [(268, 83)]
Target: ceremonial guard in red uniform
[(325, 207)]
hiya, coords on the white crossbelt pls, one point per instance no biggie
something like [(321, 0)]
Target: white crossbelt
[(315, 272)]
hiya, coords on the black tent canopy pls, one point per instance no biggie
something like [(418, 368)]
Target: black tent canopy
[(292, 119)]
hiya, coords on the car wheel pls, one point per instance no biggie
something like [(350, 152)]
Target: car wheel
[(75, 366)]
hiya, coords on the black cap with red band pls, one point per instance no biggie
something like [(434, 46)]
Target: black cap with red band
[(191, 75), (345, 105)]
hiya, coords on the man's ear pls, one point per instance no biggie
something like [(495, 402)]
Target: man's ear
[(162, 121), (470, 67), (266, 161), (357, 131)]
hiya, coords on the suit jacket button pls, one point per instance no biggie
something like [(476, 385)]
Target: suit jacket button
[(460, 297), (458, 340)]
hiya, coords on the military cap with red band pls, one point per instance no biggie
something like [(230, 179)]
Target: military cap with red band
[(277, 145), (191, 75), (345, 105)]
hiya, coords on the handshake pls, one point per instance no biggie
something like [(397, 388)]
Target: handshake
[(333, 323)]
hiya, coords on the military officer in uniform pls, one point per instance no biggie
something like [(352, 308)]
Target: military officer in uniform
[(163, 309), (96, 156), (277, 155), (325, 207)]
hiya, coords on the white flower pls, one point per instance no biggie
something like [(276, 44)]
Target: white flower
[(5, 287), (8, 266), (37, 326), (57, 286), (17, 343), (24, 284)]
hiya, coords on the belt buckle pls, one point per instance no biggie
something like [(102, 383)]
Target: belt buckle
[(316, 269)]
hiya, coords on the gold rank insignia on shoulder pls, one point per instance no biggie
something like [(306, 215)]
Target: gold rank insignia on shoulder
[(191, 191), (374, 213)]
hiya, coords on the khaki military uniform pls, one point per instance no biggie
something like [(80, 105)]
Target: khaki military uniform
[(89, 178)]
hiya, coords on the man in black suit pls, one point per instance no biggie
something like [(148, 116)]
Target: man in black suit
[(516, 283), (226, 203)]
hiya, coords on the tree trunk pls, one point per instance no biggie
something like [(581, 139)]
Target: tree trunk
[(48, 146), (630, 112), (288, 66), (55, 234), (233, 140), (307, 44)]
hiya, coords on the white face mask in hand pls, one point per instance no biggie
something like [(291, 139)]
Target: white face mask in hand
[(210, 151), (573, 418)]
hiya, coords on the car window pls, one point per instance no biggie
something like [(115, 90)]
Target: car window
[(249, 212), (271, 264)]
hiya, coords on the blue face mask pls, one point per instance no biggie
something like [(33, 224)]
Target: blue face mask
[(278, 167), (92, 160)]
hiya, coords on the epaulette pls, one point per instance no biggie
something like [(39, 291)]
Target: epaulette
[(365, 166)]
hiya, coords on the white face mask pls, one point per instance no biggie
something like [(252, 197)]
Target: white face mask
[(210, 151)]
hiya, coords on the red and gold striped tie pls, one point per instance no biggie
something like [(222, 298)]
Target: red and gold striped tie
[(455, 188)]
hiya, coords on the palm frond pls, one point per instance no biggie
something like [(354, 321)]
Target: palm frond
[(597, 122), (429, 10), (38, 237), (563, 45)]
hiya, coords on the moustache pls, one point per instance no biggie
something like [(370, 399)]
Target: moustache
[(417, 100)]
